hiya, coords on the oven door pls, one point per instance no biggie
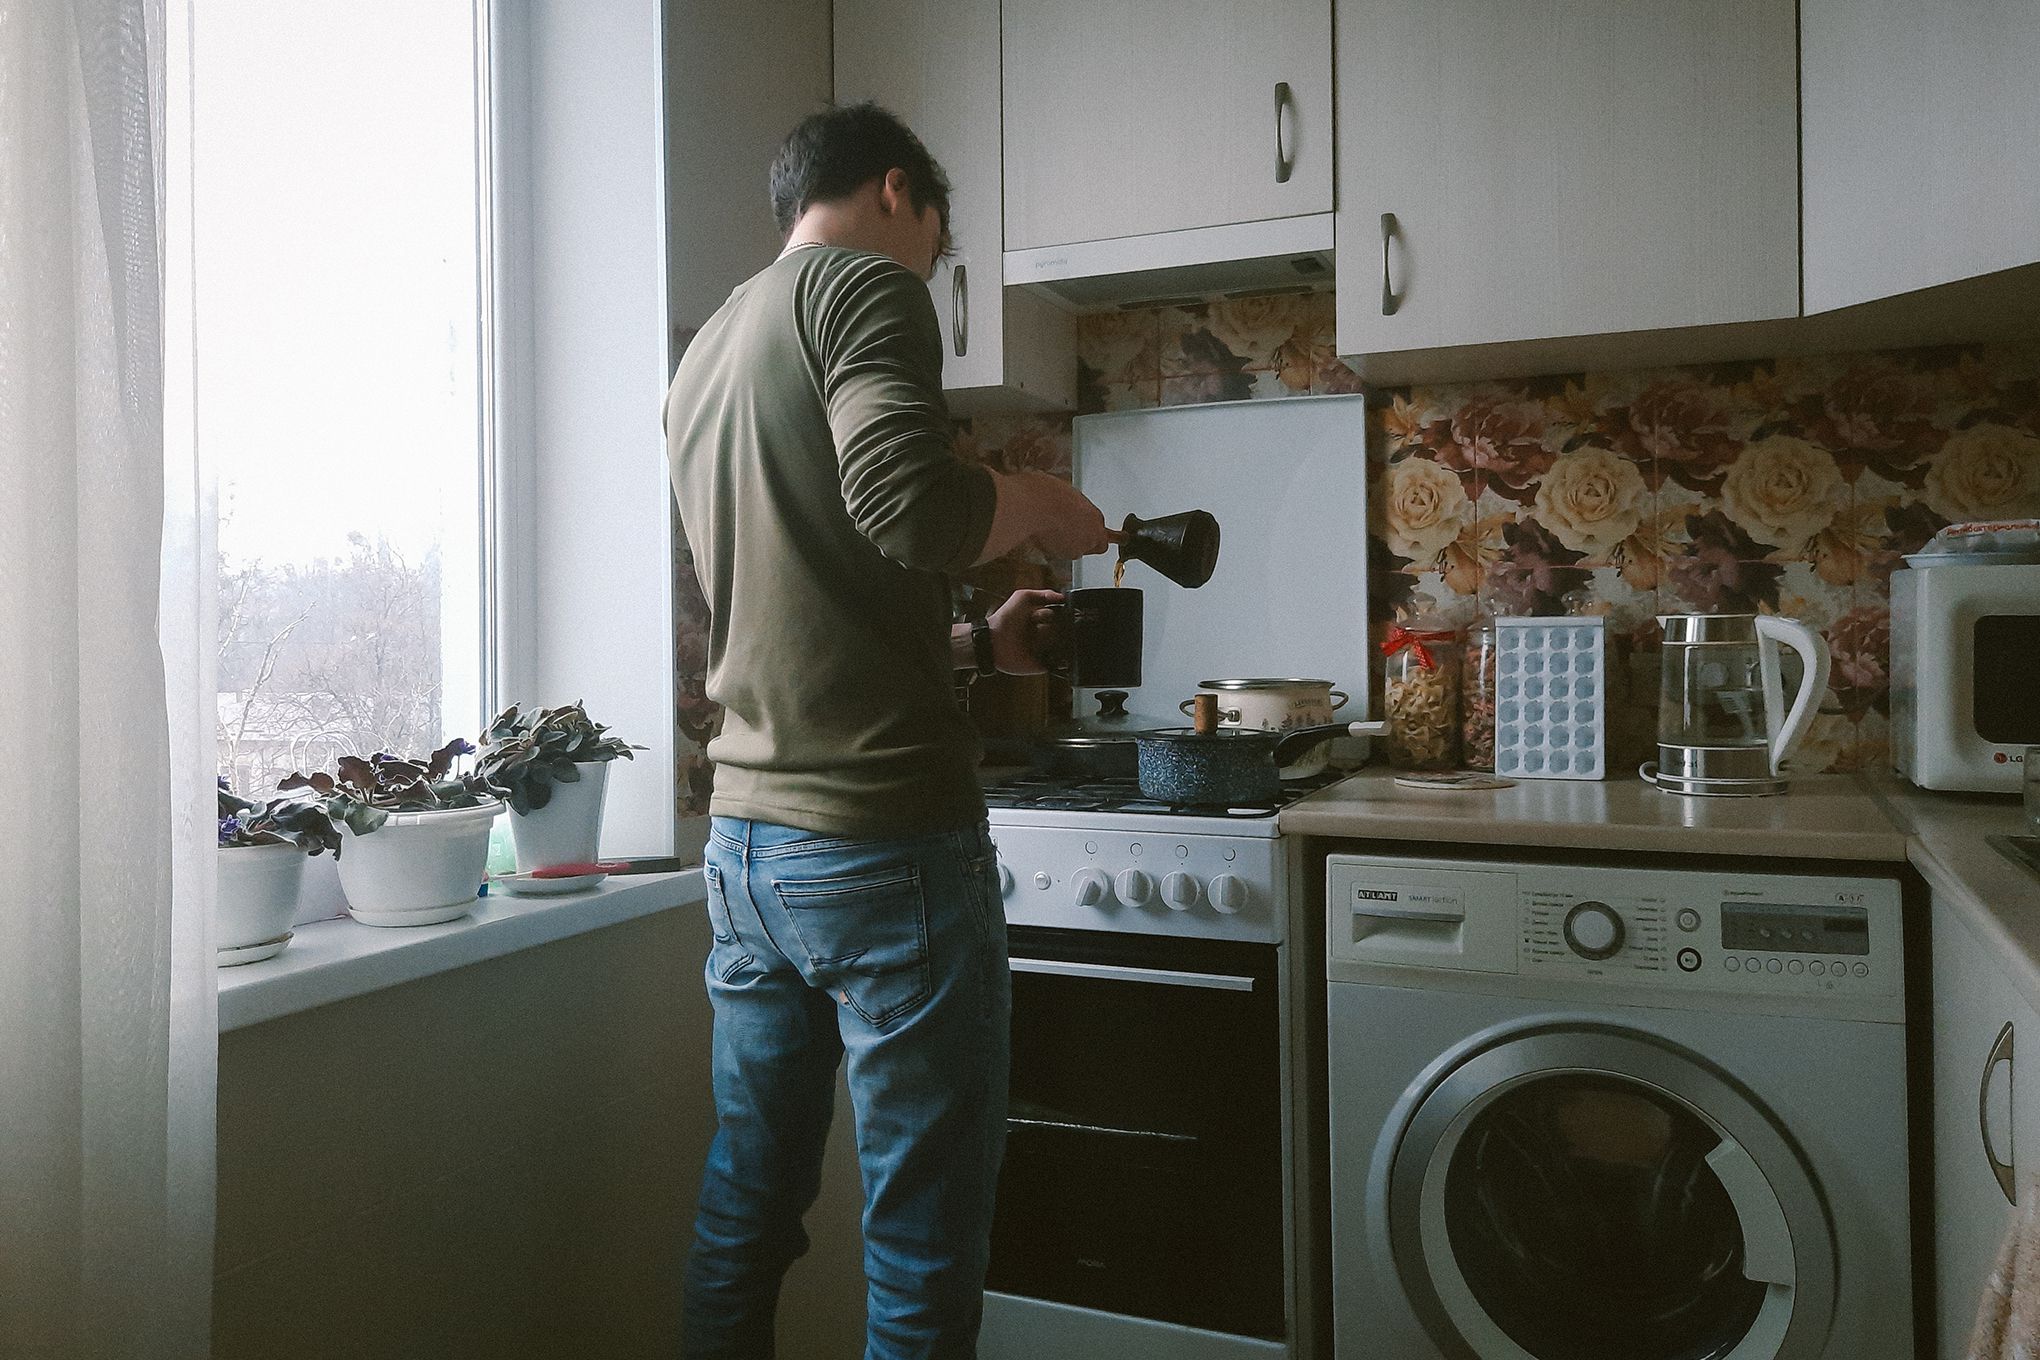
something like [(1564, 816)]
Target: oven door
[(1144, 1159)]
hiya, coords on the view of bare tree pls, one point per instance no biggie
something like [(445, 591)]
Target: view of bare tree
[(338, 657)]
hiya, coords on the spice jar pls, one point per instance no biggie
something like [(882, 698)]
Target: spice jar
[(1477, 697), (1420, 689)]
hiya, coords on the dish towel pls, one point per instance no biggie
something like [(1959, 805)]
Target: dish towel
[(2008, 1319)]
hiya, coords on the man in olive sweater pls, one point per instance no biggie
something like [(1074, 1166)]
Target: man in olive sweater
[(852, 884)]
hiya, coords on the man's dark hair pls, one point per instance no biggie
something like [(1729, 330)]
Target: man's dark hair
[(834, 153)]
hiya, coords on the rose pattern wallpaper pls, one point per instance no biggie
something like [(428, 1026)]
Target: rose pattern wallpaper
[(1790, 486)]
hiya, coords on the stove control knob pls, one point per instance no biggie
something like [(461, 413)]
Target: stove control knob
[(1005, 881), (1594, 930), (1136, 889), (1228, 893), (1092, 888), (1180, 891)]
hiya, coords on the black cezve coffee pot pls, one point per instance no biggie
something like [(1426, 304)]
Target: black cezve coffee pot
[(1101, 628)]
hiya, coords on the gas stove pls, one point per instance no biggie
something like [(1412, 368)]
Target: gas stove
[(1045, 800), (1095, 855)]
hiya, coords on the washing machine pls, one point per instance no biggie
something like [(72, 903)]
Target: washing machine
[(1616, 1113)]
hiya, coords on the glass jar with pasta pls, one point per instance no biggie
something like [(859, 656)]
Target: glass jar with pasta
[(1477, 697), (1420, 694)]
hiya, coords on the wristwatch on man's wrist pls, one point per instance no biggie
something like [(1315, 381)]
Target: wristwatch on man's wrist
[(981, 647)]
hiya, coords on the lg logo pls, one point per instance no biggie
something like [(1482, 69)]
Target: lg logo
[(2008, 757)]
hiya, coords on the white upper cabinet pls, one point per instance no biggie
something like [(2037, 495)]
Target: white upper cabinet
[(1922, 136), (1515, 170), (1986, 1118), (935, 63), (1126, 118)]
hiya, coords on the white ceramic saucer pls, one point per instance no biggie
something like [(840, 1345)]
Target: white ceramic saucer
[(548, 887), (426, 916), (252, 953)]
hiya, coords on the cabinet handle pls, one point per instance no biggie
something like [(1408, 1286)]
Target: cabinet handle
[(1391, 300), (1285, 159), (2000, 1052), (959, 310)]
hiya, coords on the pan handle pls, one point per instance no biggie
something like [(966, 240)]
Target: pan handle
[(1298, 742)]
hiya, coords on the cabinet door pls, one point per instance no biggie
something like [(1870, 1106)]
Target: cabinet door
[(1921, 123), (935, 63), (1125, 118), (1976, 1062), (1563, 167)]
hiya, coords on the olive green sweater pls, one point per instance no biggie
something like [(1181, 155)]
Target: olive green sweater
[(811, 456)]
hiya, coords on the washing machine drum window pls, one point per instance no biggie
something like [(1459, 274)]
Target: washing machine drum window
[(1585, 1193), (1589, 1225)]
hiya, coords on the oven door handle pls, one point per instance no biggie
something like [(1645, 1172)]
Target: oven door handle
[(1112, 972)]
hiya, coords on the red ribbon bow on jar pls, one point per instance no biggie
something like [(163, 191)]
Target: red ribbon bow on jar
[(1400, 637)]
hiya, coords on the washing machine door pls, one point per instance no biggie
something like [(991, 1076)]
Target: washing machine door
[(1587, 1193)]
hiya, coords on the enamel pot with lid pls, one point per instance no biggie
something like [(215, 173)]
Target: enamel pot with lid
[(1211, 766), (1278, 705)]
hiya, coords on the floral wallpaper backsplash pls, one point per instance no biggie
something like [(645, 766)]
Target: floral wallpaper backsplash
[(1789, 486)]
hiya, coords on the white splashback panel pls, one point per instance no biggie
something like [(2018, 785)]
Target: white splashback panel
[(1287, 480)]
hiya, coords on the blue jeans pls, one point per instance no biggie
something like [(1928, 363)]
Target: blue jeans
[(893, 952)]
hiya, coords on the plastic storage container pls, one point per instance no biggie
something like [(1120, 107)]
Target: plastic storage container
[(1551, 698)]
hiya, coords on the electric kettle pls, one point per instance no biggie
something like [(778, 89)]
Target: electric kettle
[(1723, 727)]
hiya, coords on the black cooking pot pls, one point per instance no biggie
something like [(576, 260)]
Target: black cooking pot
[(1231, 767)]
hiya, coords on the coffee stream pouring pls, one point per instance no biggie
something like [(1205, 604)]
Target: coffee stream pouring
[(1096, 634)]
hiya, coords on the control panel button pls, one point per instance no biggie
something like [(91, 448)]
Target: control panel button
[(1688, 919), (1732, 963), (1861, 970), (1794, 967), (1043, 881), (1228, 893), (1136, 889), (1181, 891), (1817, 968), (1593, 930), (1773, 966), (1090, 888), (1689, 960)]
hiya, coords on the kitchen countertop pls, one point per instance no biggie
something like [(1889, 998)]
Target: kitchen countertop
[(1873, 818), (1998, 899), (1822, 817)]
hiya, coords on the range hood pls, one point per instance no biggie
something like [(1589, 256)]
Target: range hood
[(1243, 257)]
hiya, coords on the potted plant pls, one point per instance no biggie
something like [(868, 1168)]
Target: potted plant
[(263, 848), (414, 833), (553, 766)]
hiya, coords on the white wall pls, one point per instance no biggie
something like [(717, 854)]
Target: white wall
[(738, 77)]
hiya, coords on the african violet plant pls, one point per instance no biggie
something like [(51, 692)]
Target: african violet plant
[(278, 821), (523, 753), (363, 792)]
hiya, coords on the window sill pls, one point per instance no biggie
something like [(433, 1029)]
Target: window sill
[(333, 960)]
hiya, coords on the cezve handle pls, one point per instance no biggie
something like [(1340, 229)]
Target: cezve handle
[(1773, 629)]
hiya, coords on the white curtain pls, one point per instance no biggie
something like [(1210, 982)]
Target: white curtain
[(107, 1033)]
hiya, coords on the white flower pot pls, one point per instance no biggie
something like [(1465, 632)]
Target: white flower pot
[(417, 868), (568, 828), (258, 894)]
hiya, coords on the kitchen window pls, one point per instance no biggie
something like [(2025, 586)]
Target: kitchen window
[(338, 217), (418, 266)]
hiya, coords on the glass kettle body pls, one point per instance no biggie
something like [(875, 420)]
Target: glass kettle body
[(1724, 727)]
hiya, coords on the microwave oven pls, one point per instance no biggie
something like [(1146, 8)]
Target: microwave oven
[(1965, 663)]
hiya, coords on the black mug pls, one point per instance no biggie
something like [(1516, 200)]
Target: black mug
[(1095, 638)]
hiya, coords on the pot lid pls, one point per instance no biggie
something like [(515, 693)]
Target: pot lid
[(1231, 686), (1253, 736), (1090, 741), (1112, 719)]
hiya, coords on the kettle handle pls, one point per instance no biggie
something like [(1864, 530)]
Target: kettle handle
[(1773, 629)]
